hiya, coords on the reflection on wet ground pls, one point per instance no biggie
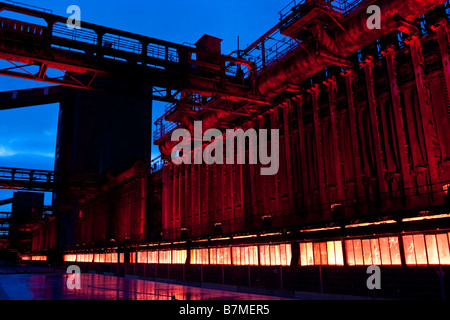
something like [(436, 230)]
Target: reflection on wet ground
[(52, 286)]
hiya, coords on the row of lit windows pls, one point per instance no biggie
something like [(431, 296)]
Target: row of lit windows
[(163, 257), (94, 257), (379, 251), (269, 255), (430, 249), (34, 258), (276, 255), (419, 249), (321, 254)]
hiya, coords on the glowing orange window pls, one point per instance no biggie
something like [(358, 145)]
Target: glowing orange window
[(443, 248)]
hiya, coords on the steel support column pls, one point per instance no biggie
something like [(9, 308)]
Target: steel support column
[(349, 79), (287, 107), (276, 188), (302, 148), (192, 194), (368, 69), (314, 92), (441, 29), (253, 187), (442, 113), (331, 86), (205, 219), (389, 54), (263, 179), (426, 111)]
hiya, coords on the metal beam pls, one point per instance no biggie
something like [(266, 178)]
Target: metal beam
[(368, 70), (120, 55), (30, 97), (5, 202)]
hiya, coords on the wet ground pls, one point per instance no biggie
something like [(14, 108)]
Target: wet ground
[(49, 284)]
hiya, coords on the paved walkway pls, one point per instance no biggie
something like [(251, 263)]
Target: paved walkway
[(52, 286)]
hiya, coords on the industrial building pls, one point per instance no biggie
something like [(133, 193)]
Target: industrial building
[(363, 115)]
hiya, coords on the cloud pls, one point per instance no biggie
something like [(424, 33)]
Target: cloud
[(6, 152)]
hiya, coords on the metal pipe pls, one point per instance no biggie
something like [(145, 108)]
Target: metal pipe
[(340, 43)]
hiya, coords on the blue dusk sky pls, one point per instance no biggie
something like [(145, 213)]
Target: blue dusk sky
[(28, 135)]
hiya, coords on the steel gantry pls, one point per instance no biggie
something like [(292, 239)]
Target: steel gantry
[(154, 68)]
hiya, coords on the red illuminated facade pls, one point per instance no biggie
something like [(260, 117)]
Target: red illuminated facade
[(364, 154)]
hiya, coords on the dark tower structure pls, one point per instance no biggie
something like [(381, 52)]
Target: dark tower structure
[(99, 135)]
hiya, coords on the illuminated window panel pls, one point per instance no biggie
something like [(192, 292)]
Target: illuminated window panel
[(200, 256), (133, 257), (394, 248), (264, 255), (152, 257), (419, 246), (408, 248), (90, 257), (253, 255), (339, 253), (367, 252), (432, 251), (415, 250), (331, 253), (236, 254), (39, 258), (142, 257), (283, 254), (443, 248), (275, 255), (385, 251), (357, 247), (67, 258), (350, 253), (378, 251), (220, 256), (121, 257), (213, 256), (165, 257), (179, 256), (306, 254), (272, 256), (245, 256), (321, 253), (376, 254)]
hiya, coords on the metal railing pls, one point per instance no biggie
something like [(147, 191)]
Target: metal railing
[(271, 50), (15, 3), (156, 165), (273, 46), (341, 6), (163, 128), (280, 217), (29, 175), (5, 215)]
